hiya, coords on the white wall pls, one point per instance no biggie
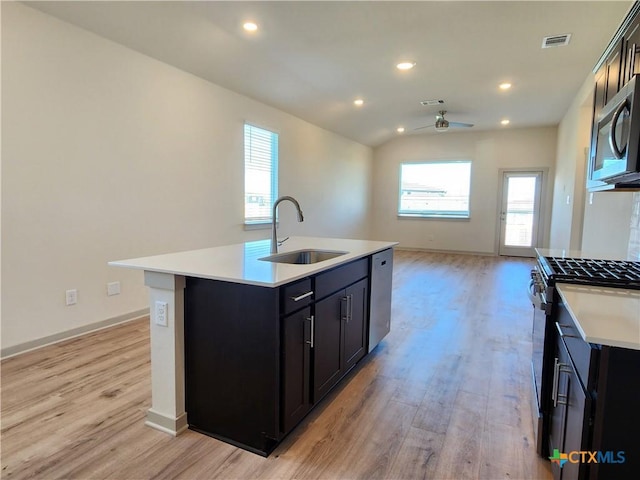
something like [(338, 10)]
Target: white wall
[(109, 154), (489, 152)]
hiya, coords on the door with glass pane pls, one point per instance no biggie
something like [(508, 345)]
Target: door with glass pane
[(520, 213)]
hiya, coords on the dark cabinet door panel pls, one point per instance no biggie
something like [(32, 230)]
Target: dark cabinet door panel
[(296, 358), (355, 340), (327, 347)]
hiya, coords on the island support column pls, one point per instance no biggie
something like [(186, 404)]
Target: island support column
[(167, 412)]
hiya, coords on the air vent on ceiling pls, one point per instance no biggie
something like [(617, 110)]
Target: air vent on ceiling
[(427, 103), (556, 40)]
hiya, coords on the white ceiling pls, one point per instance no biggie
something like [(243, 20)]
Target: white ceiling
[(312, 59)]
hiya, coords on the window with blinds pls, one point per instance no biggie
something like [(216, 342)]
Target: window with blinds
[(260, 173)]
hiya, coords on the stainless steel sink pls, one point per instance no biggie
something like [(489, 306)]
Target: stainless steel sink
[(303, 257)]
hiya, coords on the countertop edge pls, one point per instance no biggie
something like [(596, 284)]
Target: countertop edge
[(307, 270), (597, 340)]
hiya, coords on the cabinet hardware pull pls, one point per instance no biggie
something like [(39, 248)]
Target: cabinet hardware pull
[(312, 320), (349, 307), (554, 390), (304, 295), (562, 399), (344, 308)]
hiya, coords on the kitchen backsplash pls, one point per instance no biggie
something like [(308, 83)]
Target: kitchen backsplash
[(634, 237)]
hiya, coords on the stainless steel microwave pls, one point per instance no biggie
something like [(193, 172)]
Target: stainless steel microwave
[(614, 152)]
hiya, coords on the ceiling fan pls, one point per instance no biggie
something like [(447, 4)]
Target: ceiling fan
[(442, 125)]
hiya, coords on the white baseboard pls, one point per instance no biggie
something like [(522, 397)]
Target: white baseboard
[(68, 334)]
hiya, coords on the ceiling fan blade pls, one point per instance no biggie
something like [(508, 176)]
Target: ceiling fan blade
[(426, 126), (460, 124)]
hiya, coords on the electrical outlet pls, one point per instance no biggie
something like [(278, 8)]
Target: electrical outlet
[(113, 288), (162, 314), (71, 297)]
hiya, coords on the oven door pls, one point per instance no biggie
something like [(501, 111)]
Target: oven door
[(537, 294)]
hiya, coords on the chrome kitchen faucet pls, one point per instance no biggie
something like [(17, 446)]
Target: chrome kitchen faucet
[(274, 237)]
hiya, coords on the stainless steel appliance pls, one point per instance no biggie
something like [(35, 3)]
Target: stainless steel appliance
[(616, 138), (380, 309), (550, 269)]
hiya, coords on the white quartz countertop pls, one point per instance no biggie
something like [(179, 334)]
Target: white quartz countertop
[(605, 316), (240, 263)]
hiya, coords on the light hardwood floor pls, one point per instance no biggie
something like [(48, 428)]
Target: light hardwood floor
[(445, 396)]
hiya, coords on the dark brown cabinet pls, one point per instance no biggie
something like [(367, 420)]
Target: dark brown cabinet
[(569, 415), (615, 68), (257, 359), (631, 52), (296, 367), (594, 415), (340, 336)]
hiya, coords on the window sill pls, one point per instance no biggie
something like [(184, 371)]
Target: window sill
[(434, 217), (259, 225)]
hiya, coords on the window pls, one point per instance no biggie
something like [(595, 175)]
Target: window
[(260, 173), (435, 189)]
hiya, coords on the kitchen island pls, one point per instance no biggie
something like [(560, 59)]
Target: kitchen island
[(246, 347)]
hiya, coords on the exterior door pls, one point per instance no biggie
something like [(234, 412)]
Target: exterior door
[(520, 213)]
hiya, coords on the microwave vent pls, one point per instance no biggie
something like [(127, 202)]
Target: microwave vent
[(556, 40)]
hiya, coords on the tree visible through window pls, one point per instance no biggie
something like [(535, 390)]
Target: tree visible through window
[(435, 189), (260, 173)]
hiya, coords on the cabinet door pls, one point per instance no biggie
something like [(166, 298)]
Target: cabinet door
[(355, 323), (327, 344), (632, 52), (569, 418), (576, 428), (614, 71), (296, 368)]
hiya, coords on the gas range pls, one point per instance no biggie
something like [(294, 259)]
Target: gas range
[(586, 271)]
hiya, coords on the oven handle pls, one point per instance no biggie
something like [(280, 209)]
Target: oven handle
[(617, 152), (536, 292), (532, 291), (562, 334)]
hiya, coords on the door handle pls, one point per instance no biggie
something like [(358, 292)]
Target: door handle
[(347, 307), (613, 143), (300, 297), (312, 320)]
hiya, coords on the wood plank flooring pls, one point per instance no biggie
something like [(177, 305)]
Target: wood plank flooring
[(445, 396)]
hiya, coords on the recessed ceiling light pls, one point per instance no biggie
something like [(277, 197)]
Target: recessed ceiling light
[(358, 102), (400, 129), (505, 86), (250, 26), (505, 122), (405, 65)]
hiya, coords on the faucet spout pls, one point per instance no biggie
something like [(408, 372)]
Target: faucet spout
[(274, 237)]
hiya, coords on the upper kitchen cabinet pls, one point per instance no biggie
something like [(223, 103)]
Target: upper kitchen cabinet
[(631, 50), (615, 136)]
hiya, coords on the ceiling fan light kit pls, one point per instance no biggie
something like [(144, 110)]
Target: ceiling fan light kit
[(442, 125)]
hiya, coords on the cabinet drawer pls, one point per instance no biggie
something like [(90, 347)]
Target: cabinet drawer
[(295, 296), (329, 282), (584, 355)]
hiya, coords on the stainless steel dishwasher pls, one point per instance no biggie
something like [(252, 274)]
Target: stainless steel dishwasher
[(380, 310)]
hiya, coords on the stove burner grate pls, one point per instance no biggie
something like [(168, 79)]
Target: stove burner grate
[(615, 273)]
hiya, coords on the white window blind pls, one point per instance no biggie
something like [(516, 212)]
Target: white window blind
[(435, 189), (260, 173)]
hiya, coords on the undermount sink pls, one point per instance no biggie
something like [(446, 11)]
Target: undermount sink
[(303, 257)]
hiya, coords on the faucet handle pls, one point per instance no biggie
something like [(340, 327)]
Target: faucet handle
[(280, 242)]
